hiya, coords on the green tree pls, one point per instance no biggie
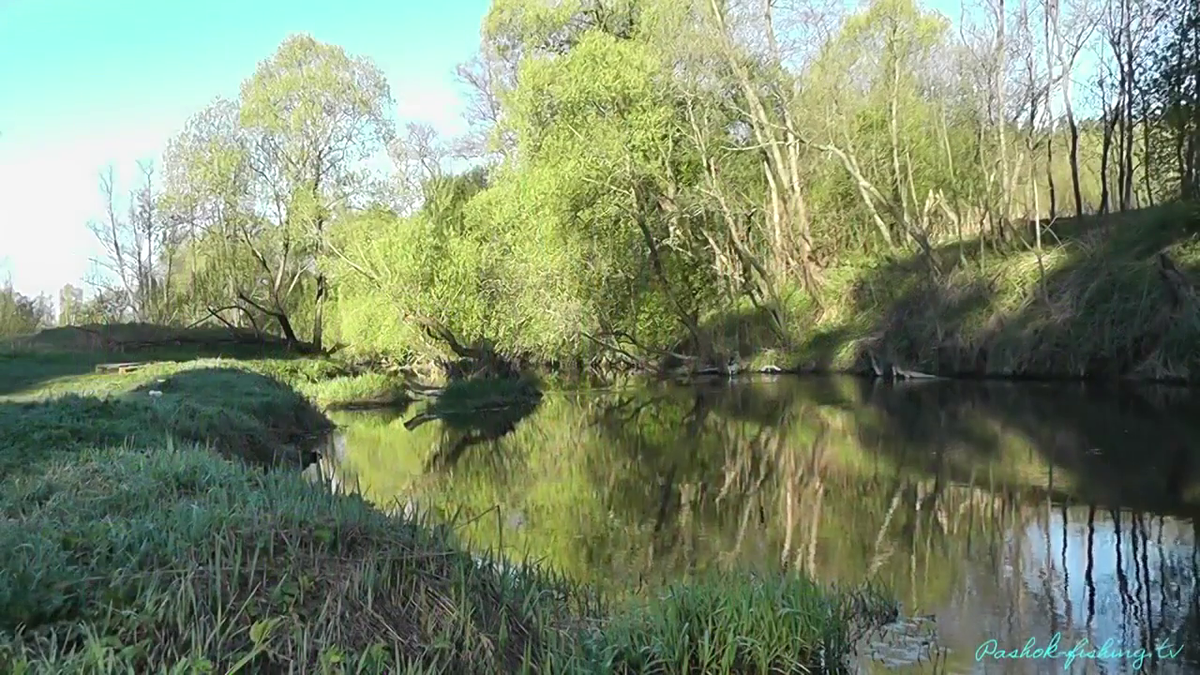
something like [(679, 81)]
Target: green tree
[(70, 305), (22, 315), (273, 168)]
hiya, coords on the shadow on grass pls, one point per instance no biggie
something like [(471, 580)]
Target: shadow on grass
[(244, 415), (31, 361), (1096, 306)]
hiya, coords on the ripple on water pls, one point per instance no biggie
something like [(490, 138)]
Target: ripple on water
[(901, 644)]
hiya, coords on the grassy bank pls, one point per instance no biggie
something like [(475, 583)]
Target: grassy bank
[(1089, 304), (64, 360), (134, 539)]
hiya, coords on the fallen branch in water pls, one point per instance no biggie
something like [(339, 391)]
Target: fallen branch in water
[(630, 358)]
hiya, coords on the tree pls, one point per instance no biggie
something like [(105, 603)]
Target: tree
[(1069, 43), (1172, 97), (419, 156), (70, 305), (652, 167), (22, 315), (888, 46), (108, 305), (312, 114), (486, 78), (138, 248), (274, 167), (781, 168)]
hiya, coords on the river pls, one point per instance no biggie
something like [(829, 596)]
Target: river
[(992, 512)]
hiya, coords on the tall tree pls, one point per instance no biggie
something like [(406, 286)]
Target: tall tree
[(279, 163), (1070, 38), (312, 114), (70, 305), (22, 315), (138, 247)]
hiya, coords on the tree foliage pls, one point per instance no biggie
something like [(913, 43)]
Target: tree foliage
[(639, 168), (22, 315)]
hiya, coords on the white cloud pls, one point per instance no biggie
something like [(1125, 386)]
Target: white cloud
[(49, 193), (432, 101)]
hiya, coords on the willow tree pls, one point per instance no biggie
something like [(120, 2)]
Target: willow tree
[(275, 166), (597, 155)]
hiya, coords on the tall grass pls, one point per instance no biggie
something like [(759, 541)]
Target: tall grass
[(1078, 305), (126, 561), (740, 623), (134, 539)]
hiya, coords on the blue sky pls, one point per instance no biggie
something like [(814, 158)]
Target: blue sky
[(87, 82)]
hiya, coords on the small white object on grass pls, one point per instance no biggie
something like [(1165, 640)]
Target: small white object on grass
[(155, 392)]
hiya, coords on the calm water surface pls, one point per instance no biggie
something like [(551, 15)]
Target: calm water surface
[(992, 512)]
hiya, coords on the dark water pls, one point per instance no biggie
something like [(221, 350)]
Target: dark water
[(1004, 512)]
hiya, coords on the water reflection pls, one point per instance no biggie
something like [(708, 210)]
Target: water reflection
[(1005, 512)]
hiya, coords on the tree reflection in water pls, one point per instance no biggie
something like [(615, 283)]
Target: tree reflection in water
[(1006, 511)]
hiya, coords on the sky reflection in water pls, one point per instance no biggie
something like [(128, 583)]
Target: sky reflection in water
[(1004, 511)]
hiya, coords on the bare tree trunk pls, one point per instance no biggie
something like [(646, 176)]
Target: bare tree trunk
[(1192, 171), (1033, 91), (1074, 150), (783, 171), (894, 126), (1127, 38), (1050, 19), (319, 312), (1067, 62), (1147, 159), (769, 24), (1116, 28), (1183, 139), (1001, 114), (1105, 147), (1035, 208), (1119, 129)]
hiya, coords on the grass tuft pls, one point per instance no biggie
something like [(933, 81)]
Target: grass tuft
[(742, 623)]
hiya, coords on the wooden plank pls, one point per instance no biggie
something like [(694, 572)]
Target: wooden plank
[(119, 367)]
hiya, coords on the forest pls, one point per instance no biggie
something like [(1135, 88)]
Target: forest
[(649, 182)]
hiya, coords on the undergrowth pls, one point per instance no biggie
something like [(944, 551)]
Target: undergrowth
[(1081, 304), (1088, 302)]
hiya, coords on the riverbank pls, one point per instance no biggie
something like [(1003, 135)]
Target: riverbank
[(1098, 298), (1103, 298), (140, 532)]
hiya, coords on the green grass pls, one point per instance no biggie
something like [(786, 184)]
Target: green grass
[(1077, 308), (133, 561), (325, 382), (241, 414), (134, 538), (738, 623)]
